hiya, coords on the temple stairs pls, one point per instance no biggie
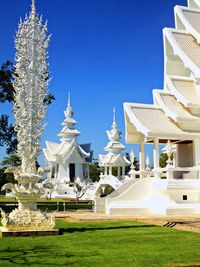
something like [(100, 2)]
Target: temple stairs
[(146, 196)]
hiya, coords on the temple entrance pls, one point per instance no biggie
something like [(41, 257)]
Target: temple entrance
[(72, 172)]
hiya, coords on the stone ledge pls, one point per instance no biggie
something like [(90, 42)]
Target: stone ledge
[(27, 233)]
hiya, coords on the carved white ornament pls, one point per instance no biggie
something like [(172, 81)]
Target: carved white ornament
[(31, 82)]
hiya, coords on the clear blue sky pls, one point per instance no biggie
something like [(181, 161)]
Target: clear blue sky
[(105, 52)]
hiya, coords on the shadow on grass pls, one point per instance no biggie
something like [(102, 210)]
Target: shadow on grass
[(87, 229), (40, 256), (172, 224)]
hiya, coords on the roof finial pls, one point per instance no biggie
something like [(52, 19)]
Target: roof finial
[(114, 115), (114, 125), (68, 99), (33, 6)]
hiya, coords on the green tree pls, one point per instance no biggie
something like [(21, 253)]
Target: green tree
[(95, 171), (9, 161), (163, 160)]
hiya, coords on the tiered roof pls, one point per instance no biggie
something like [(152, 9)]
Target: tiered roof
[(114, 157), (175, 113), (68, 145)]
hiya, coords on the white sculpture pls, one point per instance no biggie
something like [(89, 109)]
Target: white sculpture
[(132, 172), (31, 82), (169, 151)]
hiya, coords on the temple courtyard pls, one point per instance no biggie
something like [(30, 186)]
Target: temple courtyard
[(110, 241)]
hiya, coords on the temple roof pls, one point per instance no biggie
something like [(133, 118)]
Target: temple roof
[(185, 47), (184, 90), (194, 3), (68, 145), (176, 111), (68, 132), (63, 150), (114, 136), (114, 157), (149, 121), (113, 160)]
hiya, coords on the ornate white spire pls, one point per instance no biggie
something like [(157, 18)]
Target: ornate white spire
[(114, 125), (33, 7), (114, 136), (68, 132), (68, 104), (31, 82)]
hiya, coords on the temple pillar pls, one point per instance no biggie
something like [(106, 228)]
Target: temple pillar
[(123, 171), (118, 172), (88, 171), (141, 159), (110, 170), (156, 156), (105, 170)]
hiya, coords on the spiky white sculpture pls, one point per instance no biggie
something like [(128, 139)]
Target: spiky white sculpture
[(31, 82)]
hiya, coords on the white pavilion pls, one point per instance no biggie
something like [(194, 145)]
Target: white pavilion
[(114, 162), (172, 119), (67, 160)]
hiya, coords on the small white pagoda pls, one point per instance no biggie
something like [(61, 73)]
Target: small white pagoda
[(67, 160), (172, 119), (114, 162)]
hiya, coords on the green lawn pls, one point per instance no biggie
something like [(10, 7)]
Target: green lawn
[(105, 244), (53, 200), (8, 204)]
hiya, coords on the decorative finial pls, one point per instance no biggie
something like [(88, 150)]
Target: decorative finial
[(114, 125), (114, 115), (68, 99), (132, 156), (33, 7), (147, 163)]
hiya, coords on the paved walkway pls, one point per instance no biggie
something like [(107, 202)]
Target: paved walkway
[(189, 222)]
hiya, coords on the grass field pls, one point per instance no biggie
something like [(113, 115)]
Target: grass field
[(53, 200), (8, 204), (105, 244)]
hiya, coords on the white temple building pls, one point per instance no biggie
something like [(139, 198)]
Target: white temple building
[(67, 160), (114, 162), (172, 119)]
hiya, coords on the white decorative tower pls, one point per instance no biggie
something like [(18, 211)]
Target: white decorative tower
[(67, 160), (114, 158), (31, 82), (68, 132)]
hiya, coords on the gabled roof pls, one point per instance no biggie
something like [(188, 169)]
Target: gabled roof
[(63, 150), (184, 89), (189, 17), (113, 160), (48, 155), (186, 47), (52, 147), (175, 110), (114, 145), (150, 121)]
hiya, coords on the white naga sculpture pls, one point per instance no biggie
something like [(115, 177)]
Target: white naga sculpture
[(31, 82)]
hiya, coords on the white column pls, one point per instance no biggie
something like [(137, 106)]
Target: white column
[(105, 170), (123, 171), (118, 172), (88, 171), (110, 170), (156, 156), (141, 159)]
